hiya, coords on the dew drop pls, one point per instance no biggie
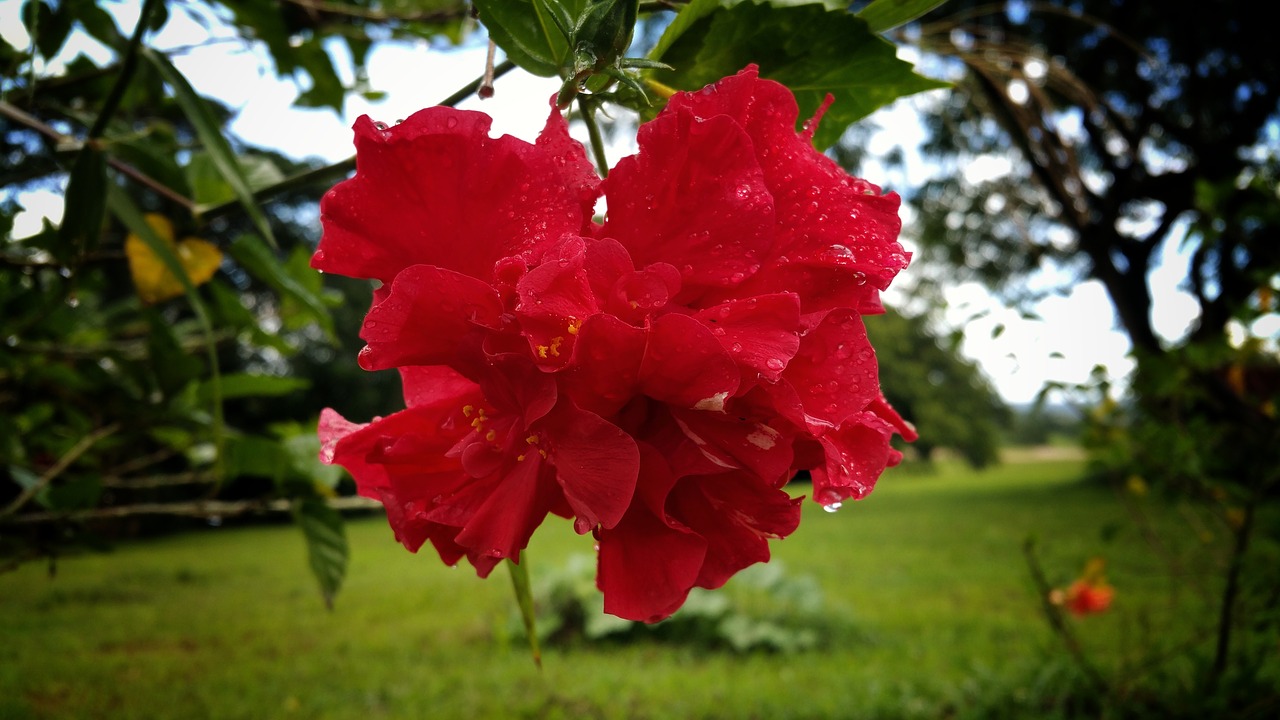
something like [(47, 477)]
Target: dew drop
[(736, 347), (774, 364), (832, 507), (451, 123)]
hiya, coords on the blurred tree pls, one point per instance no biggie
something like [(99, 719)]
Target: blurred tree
[(1100, 137), (946, 396), (1138, 130)]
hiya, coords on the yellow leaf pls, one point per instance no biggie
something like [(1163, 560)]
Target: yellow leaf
[(152, 278)]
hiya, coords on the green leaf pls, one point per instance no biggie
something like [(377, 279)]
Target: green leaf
[(242, 385), (882, 15), (255, 456), (326, 544), (172, 366), (209, 131), (49, 27), (28, 480), (810, 49), (326, 89), (85, 203), (527, 33), (210, 187), (261, 263), (303, 447), (524, 598), (97, 22)]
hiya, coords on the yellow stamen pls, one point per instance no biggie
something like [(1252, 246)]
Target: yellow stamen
[(490, 436), (532, 439)]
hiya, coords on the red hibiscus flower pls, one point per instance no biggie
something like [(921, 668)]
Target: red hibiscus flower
[(658, 378), (1086, 598), (1089, 594)]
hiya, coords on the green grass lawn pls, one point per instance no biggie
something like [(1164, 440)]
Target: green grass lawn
[(931, 612)]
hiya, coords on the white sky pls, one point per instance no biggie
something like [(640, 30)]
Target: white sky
[(1076, 331)]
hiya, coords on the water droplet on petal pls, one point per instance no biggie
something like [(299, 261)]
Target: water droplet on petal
[(774, 364), (832, 507)]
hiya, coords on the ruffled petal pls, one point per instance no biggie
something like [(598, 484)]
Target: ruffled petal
[(834, 373), (836, 241), (684, 365), (605, 371), (425, 317), (762, 333), (648, 563), (737, 514), (695, 198), (856, 454), (437, 190), (596, 464)]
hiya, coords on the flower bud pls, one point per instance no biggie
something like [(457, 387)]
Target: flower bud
[(604, 30)]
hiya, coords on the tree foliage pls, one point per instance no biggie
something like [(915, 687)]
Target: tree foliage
[(1139, 132), (947, 397)]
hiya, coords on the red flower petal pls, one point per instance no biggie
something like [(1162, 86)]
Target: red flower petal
[(834, 372), (734, 442), (596, 463), (761, 333), (606, 367), (508, 511), (856, 454), (424, 318), (437, 190), (836, 240), (555, 297), (428, 384), (685, 365), (648, 563), (693, 197), (737, 513)]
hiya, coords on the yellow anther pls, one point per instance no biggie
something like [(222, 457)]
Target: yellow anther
[(542, 351), (520, 458), (555, 345), (574, 324), (532, 439), (543, 453), (490, 436), (477, 423), (467, 410)]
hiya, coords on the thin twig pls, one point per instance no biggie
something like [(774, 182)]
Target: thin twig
[(198, 508), (63, 463)]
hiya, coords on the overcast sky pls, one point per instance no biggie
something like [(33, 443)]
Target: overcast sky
[(1076, 331)]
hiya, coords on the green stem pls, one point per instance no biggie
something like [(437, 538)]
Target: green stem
[(524, 598), (588, 109), (126, 71)]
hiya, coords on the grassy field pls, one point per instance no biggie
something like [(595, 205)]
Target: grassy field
[(932, 614)]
